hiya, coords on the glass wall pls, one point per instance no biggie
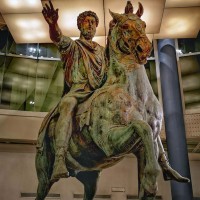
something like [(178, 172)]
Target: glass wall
[(31, 75), (189, 45), (151, 73), (190, 71)]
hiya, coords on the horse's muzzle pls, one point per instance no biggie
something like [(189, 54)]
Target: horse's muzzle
[(143, 49)]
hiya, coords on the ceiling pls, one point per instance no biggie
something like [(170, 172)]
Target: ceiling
[(164, 19)]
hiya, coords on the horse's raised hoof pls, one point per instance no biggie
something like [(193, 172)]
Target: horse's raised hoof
[(171, 174)]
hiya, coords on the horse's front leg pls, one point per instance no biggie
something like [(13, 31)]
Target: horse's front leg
[(147, 162), (89, 180), (141, 165), (141, 176), (124, 139)]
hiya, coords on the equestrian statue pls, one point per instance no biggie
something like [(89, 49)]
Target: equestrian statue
[(108, 109)]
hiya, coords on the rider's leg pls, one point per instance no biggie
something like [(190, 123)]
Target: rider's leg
[(168, 172), (63, 133)]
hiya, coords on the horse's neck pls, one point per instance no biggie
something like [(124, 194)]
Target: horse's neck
[(129, 75), (122, 72), (139, 85), (116, 72), (119, 66)]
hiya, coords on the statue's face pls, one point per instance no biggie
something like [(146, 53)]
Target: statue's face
[(88, 27)]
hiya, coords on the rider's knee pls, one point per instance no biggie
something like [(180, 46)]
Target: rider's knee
[(68, 103)]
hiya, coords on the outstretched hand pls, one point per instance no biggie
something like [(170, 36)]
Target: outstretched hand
[(50, 14)]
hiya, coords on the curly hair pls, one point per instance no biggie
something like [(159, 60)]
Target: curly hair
[(83, 15)]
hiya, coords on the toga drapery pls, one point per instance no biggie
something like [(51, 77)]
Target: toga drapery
[(84, 72), (84, 66)]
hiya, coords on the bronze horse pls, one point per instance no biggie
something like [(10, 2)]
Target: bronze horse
[(121, 117)]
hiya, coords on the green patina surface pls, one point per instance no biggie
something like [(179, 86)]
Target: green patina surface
[(123, 116)]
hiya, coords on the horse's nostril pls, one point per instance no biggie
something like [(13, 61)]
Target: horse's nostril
[(139, 48)]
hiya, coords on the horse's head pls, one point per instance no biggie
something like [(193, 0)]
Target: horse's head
[(127, 32)]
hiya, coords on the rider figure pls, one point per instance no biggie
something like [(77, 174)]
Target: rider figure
[(84, 65)]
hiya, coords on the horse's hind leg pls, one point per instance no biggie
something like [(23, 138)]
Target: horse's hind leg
[(43, 189), (89, 180)]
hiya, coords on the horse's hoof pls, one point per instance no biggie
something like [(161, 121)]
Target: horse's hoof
[(171, 174)]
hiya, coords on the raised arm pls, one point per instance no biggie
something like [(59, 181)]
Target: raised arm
[(51, 17)]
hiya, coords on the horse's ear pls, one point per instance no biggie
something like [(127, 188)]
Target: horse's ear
[(129, 8), (111, 24), (116, 17), (140, 11)]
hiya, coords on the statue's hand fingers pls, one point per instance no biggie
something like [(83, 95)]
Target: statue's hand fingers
[(51, 6), (57, 11), (50, 15), (46, 16), (56, 14), (44, 11), (47, 7)]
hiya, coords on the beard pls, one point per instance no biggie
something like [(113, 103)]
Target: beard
[(88, 33)]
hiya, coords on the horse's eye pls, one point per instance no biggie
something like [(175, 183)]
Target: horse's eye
[(125, 26), (138, 27)]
